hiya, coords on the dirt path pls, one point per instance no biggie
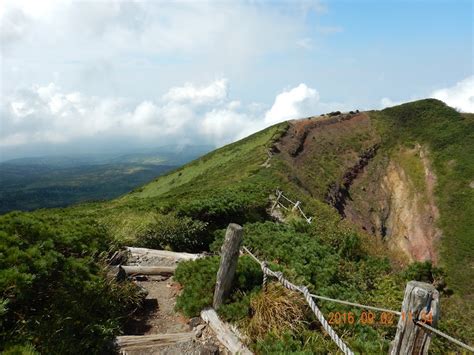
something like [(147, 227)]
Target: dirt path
[(158, 316)]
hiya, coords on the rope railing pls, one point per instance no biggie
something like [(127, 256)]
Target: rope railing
[(296, 205), (379, 309), (304, 290), (309, 296), (444, 335)]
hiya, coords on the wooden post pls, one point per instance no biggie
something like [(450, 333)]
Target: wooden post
[(228, 265), (421, 303), (295, 207), (277, 199)]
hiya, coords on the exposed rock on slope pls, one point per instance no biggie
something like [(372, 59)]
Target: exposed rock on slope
[(388, 194), (412, 214)]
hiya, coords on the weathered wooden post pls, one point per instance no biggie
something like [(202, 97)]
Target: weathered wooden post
[(277, 199), (228, 265), (295, 207), (420, 304)]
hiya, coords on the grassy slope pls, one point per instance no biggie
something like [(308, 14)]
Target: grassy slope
[(222, 167)]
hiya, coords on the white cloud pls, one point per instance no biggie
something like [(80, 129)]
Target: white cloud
[(200, 113), (226, 125), (295, 103), (48, 114), (133, 48), (214, 92), (459, 96), (387, 102)]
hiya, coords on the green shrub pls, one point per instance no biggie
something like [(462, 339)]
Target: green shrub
[(426, 272), (241, 204), (175, 233), (54, 291), (199, 278), (25, 349)]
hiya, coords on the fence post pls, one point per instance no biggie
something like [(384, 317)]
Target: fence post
[(420, 303), (295, 207), (277, 199), (228, 264)]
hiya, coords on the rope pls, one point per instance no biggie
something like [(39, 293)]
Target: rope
[(304, 290), (264, 265), (357, 305), (444, 335)]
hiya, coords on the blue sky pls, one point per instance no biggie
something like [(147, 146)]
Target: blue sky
[(118, 73)]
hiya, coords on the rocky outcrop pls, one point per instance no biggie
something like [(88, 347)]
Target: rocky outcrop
[(410, 221)]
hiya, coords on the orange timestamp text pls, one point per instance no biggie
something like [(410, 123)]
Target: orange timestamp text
[(371, 318)]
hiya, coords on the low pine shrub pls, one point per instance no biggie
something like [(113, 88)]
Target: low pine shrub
[(175, 233), (199, 278), (53, 288)]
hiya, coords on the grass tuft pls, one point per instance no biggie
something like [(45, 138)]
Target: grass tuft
[(276, 310)]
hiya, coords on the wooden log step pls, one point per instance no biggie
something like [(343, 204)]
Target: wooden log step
[(223, 332), (135, 342), (149, 270), (163, 254)]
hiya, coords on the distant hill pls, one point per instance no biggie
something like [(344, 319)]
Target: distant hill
[(58, 181)]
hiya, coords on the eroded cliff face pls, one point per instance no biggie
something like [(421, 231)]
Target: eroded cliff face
[(410, 219), (394, 200)]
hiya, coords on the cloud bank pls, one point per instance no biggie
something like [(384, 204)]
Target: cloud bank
[(459, 96), (184, 114)]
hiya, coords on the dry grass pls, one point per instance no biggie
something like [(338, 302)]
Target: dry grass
[(275, 310)]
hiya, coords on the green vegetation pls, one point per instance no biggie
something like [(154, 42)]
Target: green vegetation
[(409, 160), (171, 232), (449, 137), (54, 296), (221, 168), (328, 258), (189, 209)]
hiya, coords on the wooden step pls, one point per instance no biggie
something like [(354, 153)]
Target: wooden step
[(163, 254), (224, 333), (136, 342), (148, 270)]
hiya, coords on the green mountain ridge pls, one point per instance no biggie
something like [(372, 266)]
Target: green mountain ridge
[(355, 174)]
